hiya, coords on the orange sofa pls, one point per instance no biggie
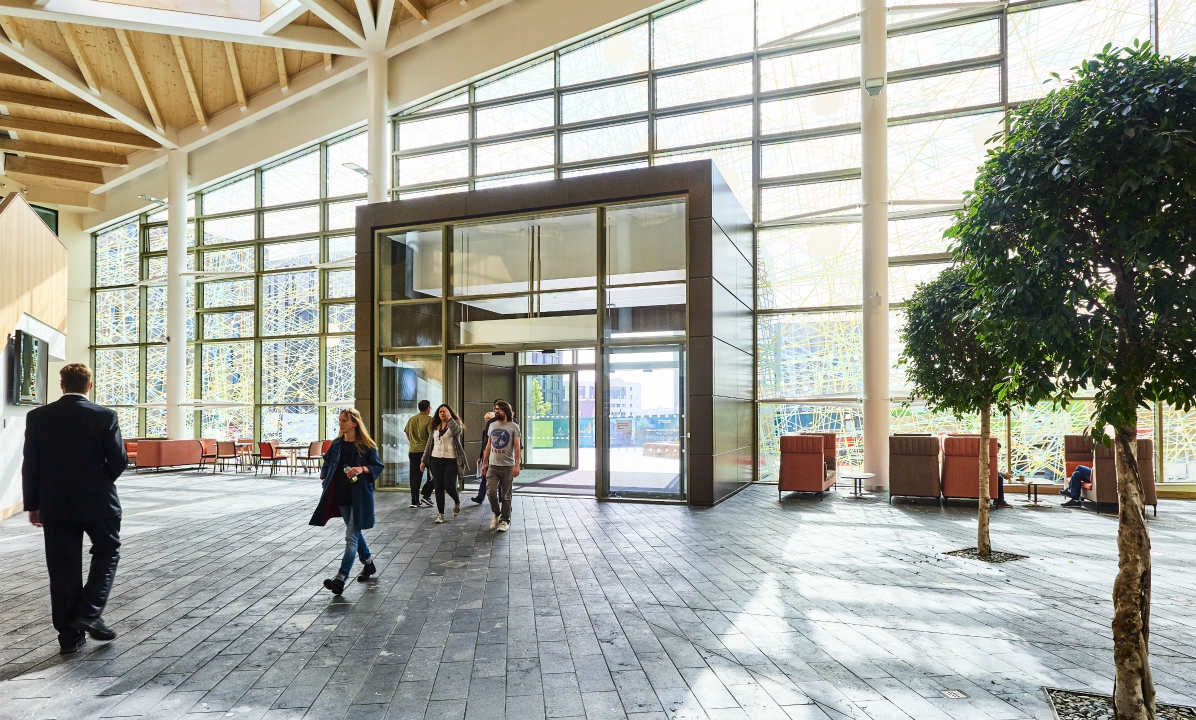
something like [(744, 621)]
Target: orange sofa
[(829, 455), (1103, 488), (961, 467), (803, 465), (168, 453), (914, 467)]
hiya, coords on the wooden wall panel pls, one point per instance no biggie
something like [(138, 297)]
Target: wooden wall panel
[(33, 276)]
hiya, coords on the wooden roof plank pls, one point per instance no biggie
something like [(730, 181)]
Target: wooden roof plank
[(123, 36), (189, 80), (116, 16), (108, 137), (67, 78), (72, 42), (41, 102), (235, 70), (58, 152)]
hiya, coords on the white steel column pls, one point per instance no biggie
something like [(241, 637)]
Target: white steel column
[(377, 132), (874, 126), (176, 301)]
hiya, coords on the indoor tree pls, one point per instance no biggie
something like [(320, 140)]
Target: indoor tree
[(951, 367), (1080, 239)]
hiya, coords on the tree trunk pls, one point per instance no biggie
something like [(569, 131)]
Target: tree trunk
[(1133, 688), (983, 544)]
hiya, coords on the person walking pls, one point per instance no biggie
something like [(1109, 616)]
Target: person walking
[(444, 457), (351, 467), (417, 439), (72, 457), (500, 464), (481, 496)]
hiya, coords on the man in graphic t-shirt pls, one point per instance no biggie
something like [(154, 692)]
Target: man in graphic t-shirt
[(500, 464)]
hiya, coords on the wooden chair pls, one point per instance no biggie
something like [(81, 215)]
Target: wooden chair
[(268, 454), (315, 456), (225, 451), (208, 453)]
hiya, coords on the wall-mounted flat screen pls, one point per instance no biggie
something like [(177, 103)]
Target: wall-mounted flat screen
[(28, 361)]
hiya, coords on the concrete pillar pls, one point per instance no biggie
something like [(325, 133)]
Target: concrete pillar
[(377, 130), (874, 131), (176, 301)]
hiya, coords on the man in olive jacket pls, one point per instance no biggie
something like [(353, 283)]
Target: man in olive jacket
[(73, 455)]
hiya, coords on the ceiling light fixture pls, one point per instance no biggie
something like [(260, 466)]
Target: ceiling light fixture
[(151, 198)]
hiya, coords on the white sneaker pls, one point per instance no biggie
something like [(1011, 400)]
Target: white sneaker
[(494, 523), (414, 506), (440, 518), (504, 526)]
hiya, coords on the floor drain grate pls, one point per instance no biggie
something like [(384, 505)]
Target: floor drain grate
[(955, 694)]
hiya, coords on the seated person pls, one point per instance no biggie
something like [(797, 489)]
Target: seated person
[(1082, 474), (1001, 485), (1001, 491)]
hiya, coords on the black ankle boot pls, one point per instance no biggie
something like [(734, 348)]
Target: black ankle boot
[(367, 572), (336, 585)]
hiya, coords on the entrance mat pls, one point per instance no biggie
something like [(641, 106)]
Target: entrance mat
[(1073, 705)]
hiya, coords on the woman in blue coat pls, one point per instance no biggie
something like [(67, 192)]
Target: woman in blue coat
[(351, 466)]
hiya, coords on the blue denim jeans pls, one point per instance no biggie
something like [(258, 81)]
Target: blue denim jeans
[(1082, 474), (354, 542)]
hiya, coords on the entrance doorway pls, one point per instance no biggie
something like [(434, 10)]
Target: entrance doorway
[(548, 405)]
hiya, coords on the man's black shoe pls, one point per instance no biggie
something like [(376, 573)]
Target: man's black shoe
[(1071, 503), (477, 500), (336, 585), (73, 647), (95, 628), (367, 572)]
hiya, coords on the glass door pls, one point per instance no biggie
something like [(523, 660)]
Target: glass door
[(549, 420), (645, 449)]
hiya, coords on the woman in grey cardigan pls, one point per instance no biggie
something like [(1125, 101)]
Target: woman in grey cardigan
[(444, 457)]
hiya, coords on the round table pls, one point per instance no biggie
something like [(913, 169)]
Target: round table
[(857, 482)]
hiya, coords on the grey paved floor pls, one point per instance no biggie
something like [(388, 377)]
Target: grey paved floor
[(831, 609)]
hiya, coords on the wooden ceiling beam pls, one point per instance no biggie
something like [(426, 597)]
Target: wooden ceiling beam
[(72, 42), (189, 80), (327, 61), (341, 20), (58, 152), (34, 171), (165, 22), (12, 69), (11, 30), (416, 8), (126, 45), (235, 70), (50, 69), (281, 61), (77, 132), (40, 102)]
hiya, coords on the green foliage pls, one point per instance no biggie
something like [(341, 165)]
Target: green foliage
[(949, 365), (1080, 238)]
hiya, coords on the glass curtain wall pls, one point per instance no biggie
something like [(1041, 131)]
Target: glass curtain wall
[(270, 315), (766, 88), (769, 89)]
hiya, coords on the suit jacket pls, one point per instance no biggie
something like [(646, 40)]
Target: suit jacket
[(73, 455)]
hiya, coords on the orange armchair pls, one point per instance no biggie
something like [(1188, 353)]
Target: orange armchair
[(1103, 488), (803, 465), (961, 467)]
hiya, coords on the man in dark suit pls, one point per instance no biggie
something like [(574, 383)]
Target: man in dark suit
[(73, 455)]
